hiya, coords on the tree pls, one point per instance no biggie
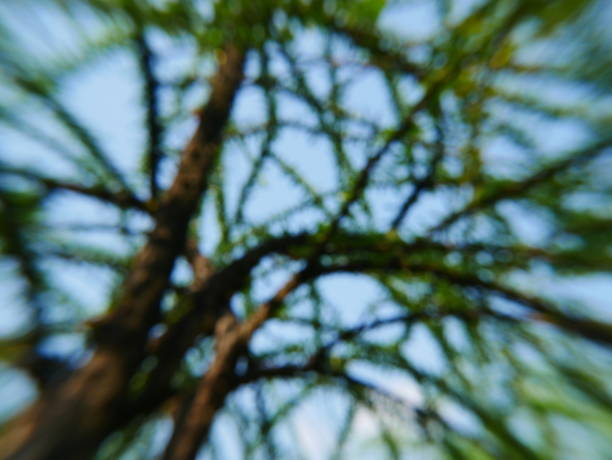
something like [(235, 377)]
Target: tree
[(309, 201)]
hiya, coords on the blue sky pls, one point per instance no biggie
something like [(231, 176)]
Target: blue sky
[(107, 97)]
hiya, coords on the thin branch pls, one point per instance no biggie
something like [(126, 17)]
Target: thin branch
[(121, 199), (593, 330), (522, 187), (74, 126), (146, 60), (271, 133), (423, 184)]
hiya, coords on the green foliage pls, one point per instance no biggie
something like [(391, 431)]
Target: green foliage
[(457, 182)]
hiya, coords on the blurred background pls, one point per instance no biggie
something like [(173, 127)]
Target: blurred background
[(519, 86)]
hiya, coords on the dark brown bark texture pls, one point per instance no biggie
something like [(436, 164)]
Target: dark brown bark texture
[(69, 421)]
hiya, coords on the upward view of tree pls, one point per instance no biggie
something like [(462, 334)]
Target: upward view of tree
[(284, 229)]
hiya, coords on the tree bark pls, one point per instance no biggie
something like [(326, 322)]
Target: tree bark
[(198, 413), (69, 422)]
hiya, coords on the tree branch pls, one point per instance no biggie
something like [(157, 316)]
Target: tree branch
[(154, 127), (69, 421), (521, 187), (121, 199)]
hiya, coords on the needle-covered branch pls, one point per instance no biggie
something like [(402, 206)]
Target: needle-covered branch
[(151, 95), (337, 160), (121, 198)]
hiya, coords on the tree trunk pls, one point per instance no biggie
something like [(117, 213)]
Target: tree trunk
[(69, 422)]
